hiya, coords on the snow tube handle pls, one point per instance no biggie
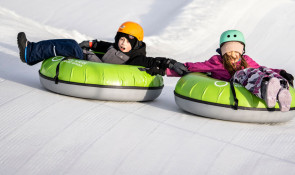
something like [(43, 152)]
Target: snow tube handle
[(142, 69), (236, 101), (57, 69)]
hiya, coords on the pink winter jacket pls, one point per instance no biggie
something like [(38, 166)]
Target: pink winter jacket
[(215, 66)]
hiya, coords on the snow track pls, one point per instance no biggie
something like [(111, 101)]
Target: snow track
[(46, 133)]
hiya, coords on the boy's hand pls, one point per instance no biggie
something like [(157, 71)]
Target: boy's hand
[(178, 67), (85, 44), (155, 71)]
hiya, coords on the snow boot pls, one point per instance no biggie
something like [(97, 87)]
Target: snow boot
[(22, 44), (285, 100), (270, 91)]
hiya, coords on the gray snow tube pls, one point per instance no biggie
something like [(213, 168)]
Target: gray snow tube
[(101, 81), (212, 98)]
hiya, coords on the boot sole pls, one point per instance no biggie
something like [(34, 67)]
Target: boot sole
[(20, 46), (272, 90), (285, 100)]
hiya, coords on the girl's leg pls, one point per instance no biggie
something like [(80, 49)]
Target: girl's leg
[(251, 79), (264, 83), (285, 99), (269, 91), (283, 96)]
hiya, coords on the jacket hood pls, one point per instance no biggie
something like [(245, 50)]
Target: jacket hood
[(141, 50)]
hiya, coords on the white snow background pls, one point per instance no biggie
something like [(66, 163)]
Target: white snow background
[(45, 133)]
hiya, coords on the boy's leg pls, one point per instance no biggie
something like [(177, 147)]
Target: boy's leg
[(32, 53), (22, 44), (42, 50)]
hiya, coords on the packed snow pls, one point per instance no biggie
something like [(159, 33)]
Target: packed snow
[(46, 133)]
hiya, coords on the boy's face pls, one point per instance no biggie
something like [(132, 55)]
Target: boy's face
[(124, 45)]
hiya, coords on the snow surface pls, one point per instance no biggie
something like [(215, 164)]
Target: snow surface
[(46, 133)]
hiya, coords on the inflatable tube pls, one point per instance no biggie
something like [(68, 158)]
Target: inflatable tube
[(208, 97), (102, 81)]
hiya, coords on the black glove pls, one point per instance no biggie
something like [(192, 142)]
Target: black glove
[(155, 71), (85, 44), (165, 63), (178, 67), (287, 76)]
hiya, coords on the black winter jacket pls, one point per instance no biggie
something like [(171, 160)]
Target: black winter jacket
[(137, 56)]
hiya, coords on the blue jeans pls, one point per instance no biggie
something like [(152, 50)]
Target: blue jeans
[(37, 52)]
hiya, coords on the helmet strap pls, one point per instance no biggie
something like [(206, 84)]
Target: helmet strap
[(137, 45)]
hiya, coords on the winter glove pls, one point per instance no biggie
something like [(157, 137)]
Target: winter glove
[(287, 76), (87, 44), (155, 71), (178, 67)]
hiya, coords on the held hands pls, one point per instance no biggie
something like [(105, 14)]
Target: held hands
[(178, 67), (164, 63), (287, 76)]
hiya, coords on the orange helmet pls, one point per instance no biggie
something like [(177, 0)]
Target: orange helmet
[(132, 28)]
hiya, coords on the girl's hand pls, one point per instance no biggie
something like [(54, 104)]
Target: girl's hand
[(287, 76)]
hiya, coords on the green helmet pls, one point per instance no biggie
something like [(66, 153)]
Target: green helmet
[(232, 35)]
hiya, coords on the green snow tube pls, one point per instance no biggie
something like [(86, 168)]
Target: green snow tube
[(102, 81), (208, 97)]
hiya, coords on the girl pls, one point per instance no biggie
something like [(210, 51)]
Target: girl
[(128, 48), (232, 65)]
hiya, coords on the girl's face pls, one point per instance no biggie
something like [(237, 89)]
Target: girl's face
[(234, 55), (124, 45)]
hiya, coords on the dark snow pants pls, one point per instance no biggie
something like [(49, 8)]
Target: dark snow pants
[(37, 52)]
